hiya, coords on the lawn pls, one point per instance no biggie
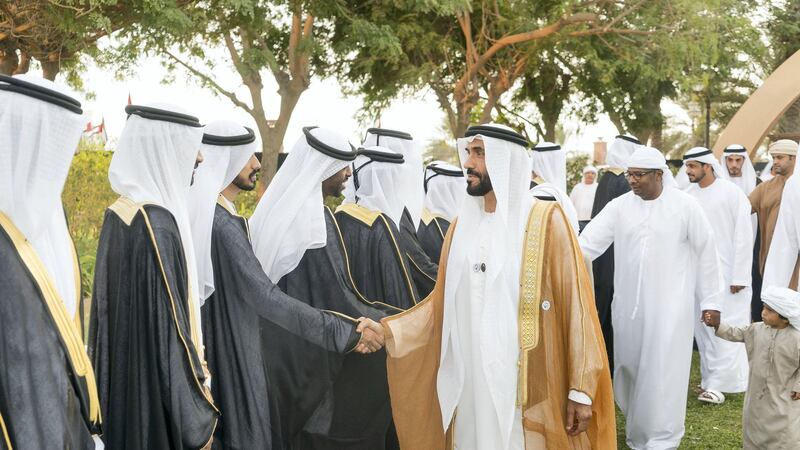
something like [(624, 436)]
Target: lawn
[(707, 426)]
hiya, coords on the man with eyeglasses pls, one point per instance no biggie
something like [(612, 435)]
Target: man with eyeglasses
[(665, 254)]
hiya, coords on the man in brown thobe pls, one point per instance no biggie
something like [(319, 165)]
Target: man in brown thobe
[(766, 201), (507, 351)]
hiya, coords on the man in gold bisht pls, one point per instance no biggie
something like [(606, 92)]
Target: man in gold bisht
[(506, 352)]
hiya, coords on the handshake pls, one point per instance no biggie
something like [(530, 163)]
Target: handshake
[(710, 318), (372, 337)]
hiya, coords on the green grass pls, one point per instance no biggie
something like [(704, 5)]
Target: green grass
[(707, 426)]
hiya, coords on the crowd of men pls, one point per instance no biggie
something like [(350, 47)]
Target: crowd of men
[(473, 307)]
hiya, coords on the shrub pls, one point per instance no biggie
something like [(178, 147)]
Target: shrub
[(86, 196)]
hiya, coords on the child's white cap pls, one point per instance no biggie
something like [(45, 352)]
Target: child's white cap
[(783, 301)]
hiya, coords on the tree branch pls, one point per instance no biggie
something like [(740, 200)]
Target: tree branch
[(444, 103), (210, 81), (606, 30), (512, 39)]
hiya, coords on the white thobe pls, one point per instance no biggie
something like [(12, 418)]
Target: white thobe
[(784, 249), (582, 197), (723, 364), (476, 422), (741, 183), (665, 253)]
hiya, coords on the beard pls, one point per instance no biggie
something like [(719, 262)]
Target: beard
[(696, 178), (244, 183), (482, 188)]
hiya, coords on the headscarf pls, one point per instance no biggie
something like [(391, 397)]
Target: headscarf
[(650, 158), (549, 161), (38, 139), (445, 188), (377, 175), (747, 181), (621, 149), (410, 185), (783, 301), (591, 169), (682, 179), (290, 218), (705, 156), (507, 164), (226, 148), (153, 163)]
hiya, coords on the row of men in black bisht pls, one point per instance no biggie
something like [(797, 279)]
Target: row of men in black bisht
[(178, 283)]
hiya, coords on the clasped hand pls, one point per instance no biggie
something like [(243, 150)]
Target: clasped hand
[(371, 336)]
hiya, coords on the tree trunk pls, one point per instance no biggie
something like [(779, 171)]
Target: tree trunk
[(270, 147), (550, 124), (657, 135), (50, 69), (272, 137), (24, 64), (9, 61)]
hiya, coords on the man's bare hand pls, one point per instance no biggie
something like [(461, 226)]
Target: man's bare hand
[(578, 417), (795, 395), (371, 336), (736, 289), (711, 318)]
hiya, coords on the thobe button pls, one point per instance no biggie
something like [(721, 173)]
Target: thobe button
[(546, 305), (476, 268), (483, 267)]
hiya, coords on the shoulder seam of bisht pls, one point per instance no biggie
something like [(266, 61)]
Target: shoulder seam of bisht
[(360, 213), (126, 209)]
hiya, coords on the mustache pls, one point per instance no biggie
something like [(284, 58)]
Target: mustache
[(473, 173)]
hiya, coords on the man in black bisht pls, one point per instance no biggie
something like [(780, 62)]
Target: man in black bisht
[(378, 264), (144, 334), (444, 188), (272, 356), (48, 396), (612, 184), (411, 194), (299, 244)]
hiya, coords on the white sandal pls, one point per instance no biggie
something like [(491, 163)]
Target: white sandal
[(712, 396)]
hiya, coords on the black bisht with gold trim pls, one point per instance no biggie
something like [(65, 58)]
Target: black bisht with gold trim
[(48, 395), (355, 413), (271, 356), (47, 388), (377, 265), (149, 374)]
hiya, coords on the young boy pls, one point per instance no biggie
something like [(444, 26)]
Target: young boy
[(772, 403)]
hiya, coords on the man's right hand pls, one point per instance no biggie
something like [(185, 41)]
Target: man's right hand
[(711, 318), (372, 337)]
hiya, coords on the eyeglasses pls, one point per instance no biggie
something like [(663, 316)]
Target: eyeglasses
[(638, 175)]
